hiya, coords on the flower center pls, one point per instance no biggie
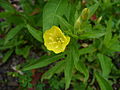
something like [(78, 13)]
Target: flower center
[(59, 40)]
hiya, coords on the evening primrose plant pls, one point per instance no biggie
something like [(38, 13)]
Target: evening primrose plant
[(76, 44), (71, 37)]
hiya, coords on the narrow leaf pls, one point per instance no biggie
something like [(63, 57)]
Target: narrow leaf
[(53, 70), (114, 44), (104, 85), (43, 62), (7, 55), (11, 45), (93, 34), (108, 34), (37, 34), (86, 50), (51, 9), (105, 63), (79, 65), (23, 51), (6, 5), (13, 32), (5, 14), (64, 23), (93, 8), (68, 69)]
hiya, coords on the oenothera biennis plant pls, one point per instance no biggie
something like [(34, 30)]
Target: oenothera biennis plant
[(89, 54), (65, 44)]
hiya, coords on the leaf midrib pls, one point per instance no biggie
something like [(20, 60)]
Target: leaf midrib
[(56, 11)]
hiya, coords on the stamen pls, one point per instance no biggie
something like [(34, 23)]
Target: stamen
[(62, 41), (50, 43), (51, 38), (50, 34), (56, 47), (59, 41), (54, 42)]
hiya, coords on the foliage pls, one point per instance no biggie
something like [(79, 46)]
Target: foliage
[(24, 80), (92, 25)]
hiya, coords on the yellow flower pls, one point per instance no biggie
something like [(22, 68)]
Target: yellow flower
[(55, 40)]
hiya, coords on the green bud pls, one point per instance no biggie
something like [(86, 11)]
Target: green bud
[(99, 19), (77, 24), (80, 20), (84, 14)]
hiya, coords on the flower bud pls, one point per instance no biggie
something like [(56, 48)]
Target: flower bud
[(99, 19), (84, 14), (77, 24)]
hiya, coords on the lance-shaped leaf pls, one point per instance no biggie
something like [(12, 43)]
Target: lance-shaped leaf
[(64, 23), (79, 65), (68, 69), (7, 55), (108, 34), (86, 50), (53, 70), (51, 9), (93, 8), (37, 34), (92, 34), (104, 85), (105, 63), (42, 62), (5, 14), (13, 32), (7, 6)]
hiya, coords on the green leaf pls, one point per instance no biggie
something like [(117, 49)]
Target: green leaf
[(106, 64), (68, 69), (42, 62), (37, 34), (79, 65), (1, 42), (23, 51), (15, 19), (26, 51), (115, 47), (11, 45), (106, 4), (92, 34), (5, 14), (27, 6), (114, 44), (104, 85), (7, 6), (93, 8), (86, 50), (7, 55), (80, 86), (53, 70), (64, 23), (13, 32), (51, 9), (68, 12), (108, 34)]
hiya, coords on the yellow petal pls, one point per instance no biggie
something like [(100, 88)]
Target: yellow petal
[(68, 40)]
